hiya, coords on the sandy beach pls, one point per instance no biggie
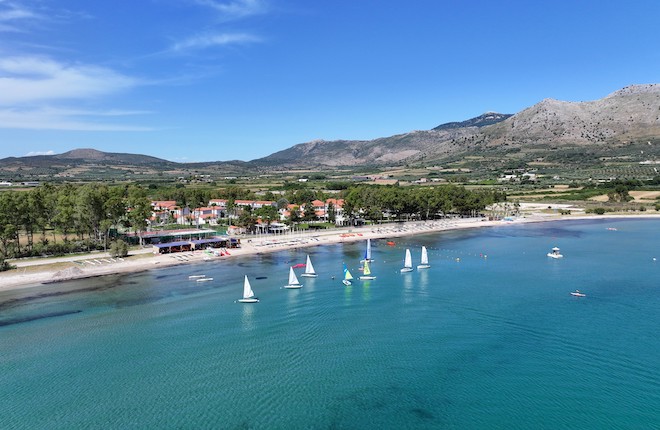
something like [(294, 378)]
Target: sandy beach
[(34, 272)]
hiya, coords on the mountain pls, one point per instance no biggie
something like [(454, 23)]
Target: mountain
[(623, 126), (626, 118)]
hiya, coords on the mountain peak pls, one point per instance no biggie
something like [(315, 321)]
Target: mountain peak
[(483, 120)]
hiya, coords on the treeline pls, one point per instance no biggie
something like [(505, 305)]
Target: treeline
[(83, 215), (402, 203)]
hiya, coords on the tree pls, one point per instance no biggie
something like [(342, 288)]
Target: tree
[(140, 209)]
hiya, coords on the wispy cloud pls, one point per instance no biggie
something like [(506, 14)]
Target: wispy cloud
[(65, 119), (212, 40), (237, 8), (28, 85), (30, 79), (12, 14)]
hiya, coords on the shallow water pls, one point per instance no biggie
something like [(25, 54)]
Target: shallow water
[(489, 337)]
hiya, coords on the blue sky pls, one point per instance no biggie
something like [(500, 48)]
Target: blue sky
[(211, 80)]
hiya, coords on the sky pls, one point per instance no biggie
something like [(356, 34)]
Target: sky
[(218, 80)]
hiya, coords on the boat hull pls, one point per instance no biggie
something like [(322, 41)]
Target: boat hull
[(248, 300), (292, 287), (406, 270), (367, 278), (424, 266), (309, 275), (551, 255), (346, 282)]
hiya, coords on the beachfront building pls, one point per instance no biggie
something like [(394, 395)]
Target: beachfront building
[(167, 212)]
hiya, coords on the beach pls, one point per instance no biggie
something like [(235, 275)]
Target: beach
[(34, 272)]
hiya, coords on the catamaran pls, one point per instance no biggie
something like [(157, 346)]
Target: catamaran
[(347, 277), (309, 270), (248, 294), (407, 262), (424, 263), (293, 280), (367, 252), (366, 272)]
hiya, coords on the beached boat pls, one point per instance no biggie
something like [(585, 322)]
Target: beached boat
[(555, 253), (367, 276), (407, 262), (367, 252), (248, 294), (347, 277), (309, 270), (424, 263), (577, 293), (293, 280)]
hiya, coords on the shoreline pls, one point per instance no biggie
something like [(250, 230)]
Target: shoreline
[(91, 265)]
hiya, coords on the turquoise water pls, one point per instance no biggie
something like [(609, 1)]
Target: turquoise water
[(493, 340)]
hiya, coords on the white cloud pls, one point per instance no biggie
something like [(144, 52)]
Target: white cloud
[(33, 153), (237, 8), (31, 79), (211, 40)]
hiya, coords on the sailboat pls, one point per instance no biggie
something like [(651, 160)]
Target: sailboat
[(248, 294), (309, 270), (367, 252), (293, 280), (347, 277), (424, 263), (407, 262), (366, 272)]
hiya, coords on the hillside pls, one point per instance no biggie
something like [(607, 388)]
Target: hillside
[(581, 138), (610, 127)]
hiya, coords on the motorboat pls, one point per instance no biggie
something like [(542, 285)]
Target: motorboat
[(554, 253)]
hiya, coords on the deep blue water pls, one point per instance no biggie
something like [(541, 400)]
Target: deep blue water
[(491, 340)]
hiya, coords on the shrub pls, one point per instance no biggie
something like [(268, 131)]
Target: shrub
[(118, 248)]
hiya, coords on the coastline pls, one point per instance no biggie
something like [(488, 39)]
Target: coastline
[(94, 265)]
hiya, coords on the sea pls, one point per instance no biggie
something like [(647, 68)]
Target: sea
[(488, 338)]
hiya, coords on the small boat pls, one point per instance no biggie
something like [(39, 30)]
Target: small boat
[(424, 263), (248, 294), (299, 266), (390, 243), (407, 262), (347, 277), (366, 273), (367, 252), (309, 270), (555, 253), (293, 280), (577, 293), (196, 276), (203, 279)]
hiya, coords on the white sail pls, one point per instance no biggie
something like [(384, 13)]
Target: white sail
[(309, 269), (248, 294), (424, 263), (293, 280), (407, 263), (247, 289)]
